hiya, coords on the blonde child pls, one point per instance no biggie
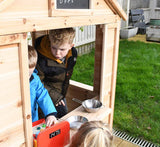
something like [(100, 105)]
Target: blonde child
[(56, 59), (92, 134), (38, 94)]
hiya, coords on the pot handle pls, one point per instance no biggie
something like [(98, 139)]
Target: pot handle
[(77, 100)]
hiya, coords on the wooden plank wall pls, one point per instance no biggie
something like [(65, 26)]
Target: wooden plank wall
[(15, 111), (11, 124)]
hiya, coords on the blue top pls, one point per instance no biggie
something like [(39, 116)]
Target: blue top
[(40, 97)]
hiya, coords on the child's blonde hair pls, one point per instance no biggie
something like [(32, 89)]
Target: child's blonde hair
[(60, 36), (92, 134), (32, 57)]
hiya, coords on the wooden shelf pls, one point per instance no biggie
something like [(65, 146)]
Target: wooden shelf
[(100, 115)]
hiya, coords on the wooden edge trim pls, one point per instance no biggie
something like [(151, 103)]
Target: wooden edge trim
[(115, 7), (10, 39), (70, 12), (25, 90), (40, 24), (104, 47), (81, 85), (114, 73)]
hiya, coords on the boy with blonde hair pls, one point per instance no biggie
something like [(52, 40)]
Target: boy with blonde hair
[(56, 59), (38, 94)]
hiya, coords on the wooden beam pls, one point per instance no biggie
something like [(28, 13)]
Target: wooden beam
[(103, 65), (25, 91), (116, 8), (114, 72), (8, 39), (38, 24)]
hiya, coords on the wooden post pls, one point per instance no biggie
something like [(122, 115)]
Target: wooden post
[(25, 90), (98, 57), (114, 72)]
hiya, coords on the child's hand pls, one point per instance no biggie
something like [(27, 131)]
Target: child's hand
[(50, 120), (60, 103)]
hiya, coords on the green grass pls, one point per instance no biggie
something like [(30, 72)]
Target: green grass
[(84, 69), (137, 100)]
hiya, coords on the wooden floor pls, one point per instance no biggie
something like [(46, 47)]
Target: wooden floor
[(118, 142)]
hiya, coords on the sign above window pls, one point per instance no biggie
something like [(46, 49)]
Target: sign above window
[(72, 4)]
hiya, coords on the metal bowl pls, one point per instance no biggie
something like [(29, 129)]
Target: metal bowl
[(91, 105), (76, 121)]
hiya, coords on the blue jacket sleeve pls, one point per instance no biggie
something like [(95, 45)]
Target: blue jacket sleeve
[(43, 99)]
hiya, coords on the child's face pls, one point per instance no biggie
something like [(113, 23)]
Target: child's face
[(31, 71), (60, 51)]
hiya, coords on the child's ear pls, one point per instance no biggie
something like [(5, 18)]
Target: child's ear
[(72, 45)]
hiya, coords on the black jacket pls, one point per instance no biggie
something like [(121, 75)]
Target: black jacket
[(54, 75)]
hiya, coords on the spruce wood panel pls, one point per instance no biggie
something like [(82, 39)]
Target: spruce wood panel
[(103, 64), (16, 9), (46, 23), (9, 59), (116, 8), (25, 90), (24, 9), (111, 36), (107, 84), (114, 72), (13, 136), (99, 115), (109, 67), (15, 107), (11, 106), (109, 61), (106, 99), (13, 114), (97, 7), (9, 88), (100, 4), (4, 4), (9, 39), (78, 12)]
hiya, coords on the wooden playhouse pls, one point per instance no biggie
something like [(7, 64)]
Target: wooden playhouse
[(17, 17)]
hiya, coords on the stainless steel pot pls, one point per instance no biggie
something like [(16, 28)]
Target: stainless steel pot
[(76, 121), (90, 105)]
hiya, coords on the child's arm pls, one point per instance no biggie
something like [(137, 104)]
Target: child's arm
[(45, 102)]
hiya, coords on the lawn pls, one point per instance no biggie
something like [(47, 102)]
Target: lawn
[(137, 100)]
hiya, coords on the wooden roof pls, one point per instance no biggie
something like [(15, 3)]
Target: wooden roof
[(18, 16), (115, 7)]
